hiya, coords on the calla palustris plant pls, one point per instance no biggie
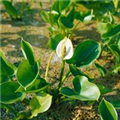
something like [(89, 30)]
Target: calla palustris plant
[(26, 78)]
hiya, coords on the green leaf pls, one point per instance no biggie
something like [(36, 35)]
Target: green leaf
[(104, 27), (7, 69), (107, 111), (26, 75), (83, 90), (101, 69), (28, 52), (40, 103), (75, 71), (104, 90), (37, 86), (10, 9), (50, 17), (55, 39), (85, 53), (60, 5), (8, 94), (116, 103), (112, 32), (115, 69), (84, 16), (45, 16), (67, 21), (116, 52)]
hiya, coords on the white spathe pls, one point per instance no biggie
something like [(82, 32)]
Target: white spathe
[(66, 42)]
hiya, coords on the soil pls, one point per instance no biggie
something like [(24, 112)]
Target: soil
[(35, 31)]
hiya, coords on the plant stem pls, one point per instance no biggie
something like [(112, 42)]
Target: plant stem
[(65, 76), (48, 65), (76, 25), (61, 74), (22, 9)]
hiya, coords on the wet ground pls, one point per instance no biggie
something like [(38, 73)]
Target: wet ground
[(35, 30)]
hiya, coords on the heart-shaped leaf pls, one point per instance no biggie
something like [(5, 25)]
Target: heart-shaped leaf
[(26, 75), (8, 94), (83, 90), (85, 53), (7, 69), (107, 111), (40, 103)]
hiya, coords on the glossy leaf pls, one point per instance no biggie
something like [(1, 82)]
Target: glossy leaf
[(8, 94), (107, 111), (85, 53), (67, 21), (83, 90), (37, 86), (101, 69), (40, 103), (111, 32), (7, 69), (28, 52), (25, 74), (10, 9), (55, 39)]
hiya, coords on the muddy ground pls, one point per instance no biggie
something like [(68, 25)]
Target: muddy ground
[(35, 30)]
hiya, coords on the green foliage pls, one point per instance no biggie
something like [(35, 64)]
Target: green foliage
[(112, 32), (101, 69), (10, 9), (116, 103), (7, 69), (9, 94), (40, 103), (25, 74), (103, 89), (60, 5), (83, 90), (107, 111), (67, 21), (85, 53), (54, 40), (75, 71), (30, 81), (28, 52)]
